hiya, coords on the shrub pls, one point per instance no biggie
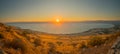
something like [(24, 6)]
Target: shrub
[(74, 44), (83, 45), (52, 48), (112, 37), (1, 36), (59, 43), (15, 44), (12, 51), (95, 41), (37, 42)]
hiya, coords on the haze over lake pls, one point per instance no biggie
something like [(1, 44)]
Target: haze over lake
[(62, 28)]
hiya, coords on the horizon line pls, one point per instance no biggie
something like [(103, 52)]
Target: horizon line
[(62, 21)]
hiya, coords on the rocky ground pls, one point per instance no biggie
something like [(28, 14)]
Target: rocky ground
[(115, 49)]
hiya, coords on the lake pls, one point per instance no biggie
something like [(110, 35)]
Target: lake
[(61, 28)]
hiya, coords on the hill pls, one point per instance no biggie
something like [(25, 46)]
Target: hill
[(15, 40)]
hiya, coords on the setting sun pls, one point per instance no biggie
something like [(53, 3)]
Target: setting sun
[(57, 20), (59, 26)]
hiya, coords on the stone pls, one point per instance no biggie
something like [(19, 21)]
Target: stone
[(115, 49)]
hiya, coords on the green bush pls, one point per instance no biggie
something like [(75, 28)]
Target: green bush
[(95, 41)]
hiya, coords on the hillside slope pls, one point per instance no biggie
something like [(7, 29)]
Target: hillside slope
[(14, 40)]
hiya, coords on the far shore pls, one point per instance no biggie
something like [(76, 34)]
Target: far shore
[(90, 32)]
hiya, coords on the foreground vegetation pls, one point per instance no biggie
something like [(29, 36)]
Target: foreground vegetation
[(21, 41)]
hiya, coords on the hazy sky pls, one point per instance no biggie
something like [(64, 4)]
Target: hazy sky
[(67, 10)]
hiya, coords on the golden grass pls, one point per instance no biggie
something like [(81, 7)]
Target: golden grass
[(14, 41)]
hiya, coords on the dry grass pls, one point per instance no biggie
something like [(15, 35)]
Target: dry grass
[(14, 41)]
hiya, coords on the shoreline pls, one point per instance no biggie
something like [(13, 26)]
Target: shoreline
[(94, 31)]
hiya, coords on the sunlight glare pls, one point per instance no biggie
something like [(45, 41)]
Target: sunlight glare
[(57, 20)]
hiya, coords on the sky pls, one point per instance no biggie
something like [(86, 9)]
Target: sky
[(65, 10)]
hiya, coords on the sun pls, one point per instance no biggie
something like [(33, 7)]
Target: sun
[(57, 20)]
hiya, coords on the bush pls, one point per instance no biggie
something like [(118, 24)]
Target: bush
[(95, 41), (52, 48), (83, 45), (15, 44), (1, 36), (37, 42), (112, 37), (19, 45), (59, 43)]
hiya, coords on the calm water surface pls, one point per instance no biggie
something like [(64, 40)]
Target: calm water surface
[(63, 28)]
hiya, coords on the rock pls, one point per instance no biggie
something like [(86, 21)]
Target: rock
[(115, 49), (111, 52)]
